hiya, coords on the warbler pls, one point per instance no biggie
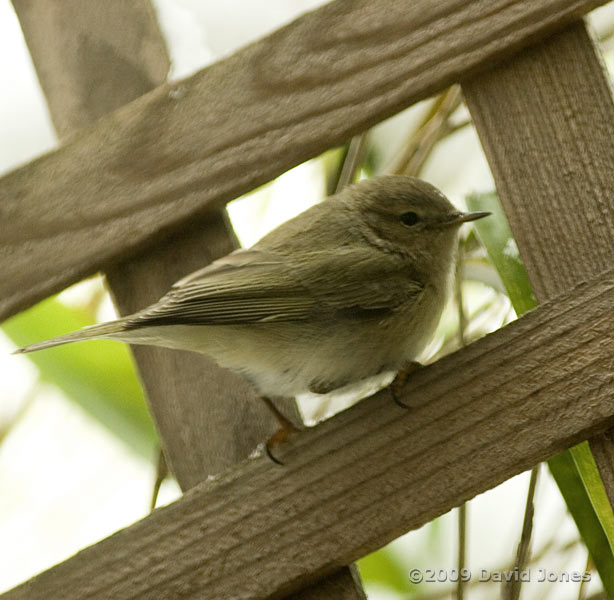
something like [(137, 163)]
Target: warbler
[(350, 288)]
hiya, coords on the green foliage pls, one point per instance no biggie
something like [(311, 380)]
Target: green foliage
[(384, 568), (576, 474), (99, 376), (497, 238)]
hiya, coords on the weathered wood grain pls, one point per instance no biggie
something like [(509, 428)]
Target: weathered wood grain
[(207, 418), (602, 447), (546, 121), (184, 148), (343, 584), (92, 61), (371, 473)]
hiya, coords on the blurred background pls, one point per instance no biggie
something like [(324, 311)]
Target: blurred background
[(78, 451)]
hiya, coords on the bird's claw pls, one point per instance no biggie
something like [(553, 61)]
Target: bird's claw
[(279, 438), (287, 428), (399, 382)]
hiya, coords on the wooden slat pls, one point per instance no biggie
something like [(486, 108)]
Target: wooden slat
[(182, 148), (355, 482), (602, 447), (546, 121), (343, 584), (90, 62), (90, 59)]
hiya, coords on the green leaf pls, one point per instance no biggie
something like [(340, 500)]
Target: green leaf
[(585, 461), (574, 470), (577, 477), (496, 235), (384, 568), (99, 376)]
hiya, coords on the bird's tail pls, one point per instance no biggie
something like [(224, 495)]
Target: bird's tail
[(104, 330)]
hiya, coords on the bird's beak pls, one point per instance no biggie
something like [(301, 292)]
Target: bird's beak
[(458, 218)]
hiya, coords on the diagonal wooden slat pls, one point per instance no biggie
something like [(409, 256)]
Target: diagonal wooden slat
[(350, 485), (207, 418), (546, 121), (184, 148)]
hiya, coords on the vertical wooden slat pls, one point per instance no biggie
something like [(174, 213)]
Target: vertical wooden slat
[(91, 58), (546, 121)]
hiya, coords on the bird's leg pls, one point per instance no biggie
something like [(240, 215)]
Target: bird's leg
[(287, 428), (398, 383)]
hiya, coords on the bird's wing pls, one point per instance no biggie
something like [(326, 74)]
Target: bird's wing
[(357, 282), (253, 286)]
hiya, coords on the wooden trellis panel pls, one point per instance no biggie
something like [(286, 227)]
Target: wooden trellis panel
[(180, 149), (371, 473), (208, 419), (361, 479)]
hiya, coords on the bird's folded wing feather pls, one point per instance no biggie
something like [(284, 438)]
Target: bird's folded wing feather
[(251, 286)]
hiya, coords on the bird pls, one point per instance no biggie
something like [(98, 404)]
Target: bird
[(352, 287)]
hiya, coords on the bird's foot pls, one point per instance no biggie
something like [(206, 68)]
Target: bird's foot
[(399, 382), (287, 428)]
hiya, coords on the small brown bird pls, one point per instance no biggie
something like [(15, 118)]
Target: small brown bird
[(352, 287)]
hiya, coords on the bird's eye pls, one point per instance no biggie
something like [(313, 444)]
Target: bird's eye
[(409, 218)]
